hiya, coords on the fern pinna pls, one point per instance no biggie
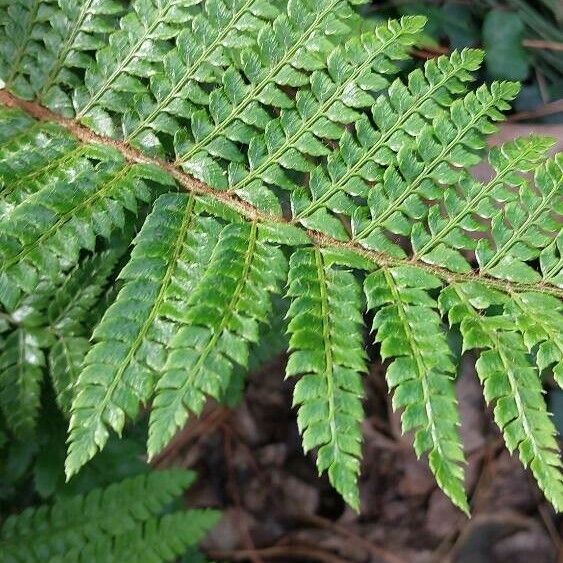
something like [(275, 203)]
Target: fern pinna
[(122, 522), (258, 148)]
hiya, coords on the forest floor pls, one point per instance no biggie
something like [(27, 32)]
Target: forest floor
[(251, 466)]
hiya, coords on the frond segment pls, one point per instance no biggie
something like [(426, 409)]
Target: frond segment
[(409, 329), (510, 381), (327, 354), (119, 523), (219, 320)]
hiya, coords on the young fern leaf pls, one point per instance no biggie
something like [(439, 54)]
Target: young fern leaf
[(326, 351), (409, 329), (218, 321), (119, 523), (510, 380)]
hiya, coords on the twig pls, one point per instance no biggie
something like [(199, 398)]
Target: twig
[(295, 551), (378, 552), (546, 109), (541, 44)]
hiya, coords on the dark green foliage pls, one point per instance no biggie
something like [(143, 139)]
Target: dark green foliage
[(122, 522), (312, 153)]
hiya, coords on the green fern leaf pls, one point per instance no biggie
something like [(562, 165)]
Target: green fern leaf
[(118, 523), (269, 57), (455, 232), (327, 352), (409, 329), (328, 101), (45, 232), (539, 319), (525, 226), (284, 123), (134, 53), (510, 381), (21, 374), (121, 368), (220, 319), (445, 148)]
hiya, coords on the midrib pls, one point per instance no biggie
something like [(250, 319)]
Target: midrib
[(191, 70), (322, 109), (329, 362), (255, 90), (121, 67), (191, 185)]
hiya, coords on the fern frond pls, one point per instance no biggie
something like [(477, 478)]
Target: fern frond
[(158, 539), (59, 42), (398, 115), (409, 329), (70, 308), (551, 261), (269, 57), (337, 84), (121, 368), (18, 21), (116, 523), (66, 357), (539, 319), (510, 381), (468, 206), (44, 233), (287, 129), (445, 148), (219, 321), (525, 226), (326, 346), (134, 53)]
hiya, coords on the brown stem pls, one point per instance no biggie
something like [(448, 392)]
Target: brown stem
[(250, 212)]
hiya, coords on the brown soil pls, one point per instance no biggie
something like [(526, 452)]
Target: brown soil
[(275, 507)]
